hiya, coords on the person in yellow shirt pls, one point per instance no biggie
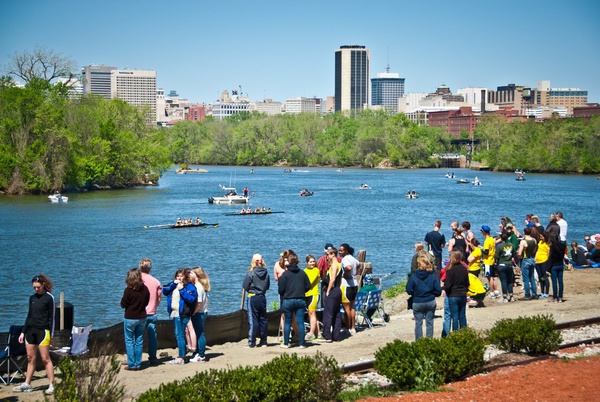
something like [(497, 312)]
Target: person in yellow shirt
[(476, 292), (312, 296), (541, 264), (489, 251), (475, 257)]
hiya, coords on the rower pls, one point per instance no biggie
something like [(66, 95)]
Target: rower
[(178, 223), (249, 210), (263, 209), (198, 221), (243, 211)]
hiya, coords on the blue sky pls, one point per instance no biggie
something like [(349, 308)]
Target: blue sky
[(285, 49)]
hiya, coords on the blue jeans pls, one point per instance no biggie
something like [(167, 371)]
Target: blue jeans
[(527, 270), (151, 331), (426, 310), (506, 275), (180, 323), (458, 311), (257, 320), (198, 323), (446, 323), (134, 340), (291, 306), (557, 281)]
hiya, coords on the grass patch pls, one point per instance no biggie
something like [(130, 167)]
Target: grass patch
[(396, 290)]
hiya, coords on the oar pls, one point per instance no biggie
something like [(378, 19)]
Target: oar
[(208, 225), (156, 226)]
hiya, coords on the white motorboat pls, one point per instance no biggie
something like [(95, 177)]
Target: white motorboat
[(412, 194), (364, 186), (231, 197), (58, 197), (476, 182)]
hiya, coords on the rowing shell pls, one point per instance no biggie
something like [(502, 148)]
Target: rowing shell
[(254, 213), (206, 225)]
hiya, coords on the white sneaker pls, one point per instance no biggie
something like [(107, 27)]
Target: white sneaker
[(309, 337), (50, 390), (198, 359), (352, 331), (503, 300), (497, 293), (22, 388)]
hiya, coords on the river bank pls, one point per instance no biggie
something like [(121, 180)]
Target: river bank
[(582, 291)]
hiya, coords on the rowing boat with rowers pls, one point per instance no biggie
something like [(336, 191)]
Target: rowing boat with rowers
[(175, 226), (254, 213)]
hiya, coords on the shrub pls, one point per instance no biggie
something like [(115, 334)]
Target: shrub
[(86, 378), (533, 335), (396, 290), (428, 362), (285, 378)]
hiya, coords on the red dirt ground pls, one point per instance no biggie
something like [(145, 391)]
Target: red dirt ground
[(547, 380)]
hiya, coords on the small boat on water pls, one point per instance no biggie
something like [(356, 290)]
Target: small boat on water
[(476, 182), (463, 181), (231, 197), (182, 226), (412, 194), (364, 186), (305, 193), (450, 175), (340, 170), (58, 197), (268, 212)]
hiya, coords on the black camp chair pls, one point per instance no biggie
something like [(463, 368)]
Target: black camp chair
[(12, 354)]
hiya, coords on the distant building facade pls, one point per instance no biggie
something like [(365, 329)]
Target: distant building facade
[(352, 77), (386, 89), (569, 98), (136, 87), (267, 106), (303, 105), (96, 80), (196, 112)]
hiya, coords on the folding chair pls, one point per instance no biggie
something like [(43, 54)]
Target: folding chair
[(366, 302), (12, 354), (78, 343)]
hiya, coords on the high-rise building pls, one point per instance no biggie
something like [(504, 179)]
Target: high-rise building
[(96, 80), (136, 87), (386, 89), (303, 105), (352, 72)]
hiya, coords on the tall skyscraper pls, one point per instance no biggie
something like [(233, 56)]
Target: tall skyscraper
[(96, 80), (136, 87), (352, 72), (386, 89)]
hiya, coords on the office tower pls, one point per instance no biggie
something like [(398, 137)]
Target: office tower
[(136, 87), (352, 72), (386, 89), (96, 80)]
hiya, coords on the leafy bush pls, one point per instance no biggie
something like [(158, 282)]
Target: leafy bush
[(396, 290), (428, 362), (533, 335), (285, 378), (90, 379)]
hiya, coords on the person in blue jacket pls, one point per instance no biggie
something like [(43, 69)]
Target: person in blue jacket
[(424, 286), (182, 297)]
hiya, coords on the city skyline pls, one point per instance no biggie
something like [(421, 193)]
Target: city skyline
[(285, 50)]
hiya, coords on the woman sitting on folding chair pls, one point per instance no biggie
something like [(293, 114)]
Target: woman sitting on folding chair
[(38, 331)]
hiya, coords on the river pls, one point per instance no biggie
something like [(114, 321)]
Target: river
[(87, 245)]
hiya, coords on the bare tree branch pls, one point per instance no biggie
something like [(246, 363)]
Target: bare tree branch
[(42, 63)]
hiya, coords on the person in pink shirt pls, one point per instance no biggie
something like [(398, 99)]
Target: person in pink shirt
[(155, 289)]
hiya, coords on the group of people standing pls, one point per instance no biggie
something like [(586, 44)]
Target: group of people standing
[(299, 293), (187, 302), (539, 251)]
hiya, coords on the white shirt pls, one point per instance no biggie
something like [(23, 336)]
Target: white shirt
[(350, 261), (563, 229)]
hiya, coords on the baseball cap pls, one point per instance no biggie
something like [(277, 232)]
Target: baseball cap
[(485, 228), (530, 224), (257, 258), (328, 245), (508, 226), (597, 235)]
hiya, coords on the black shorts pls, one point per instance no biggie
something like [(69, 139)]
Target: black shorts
[(36, 336)]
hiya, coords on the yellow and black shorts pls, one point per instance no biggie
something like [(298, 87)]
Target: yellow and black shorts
[(312, 302), (36, 336), (348, 294)]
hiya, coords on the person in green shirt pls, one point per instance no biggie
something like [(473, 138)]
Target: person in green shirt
[(505, 252)]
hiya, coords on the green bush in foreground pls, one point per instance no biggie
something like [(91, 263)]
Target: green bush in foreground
[(429, 362), (535, 335), (285, 378)]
